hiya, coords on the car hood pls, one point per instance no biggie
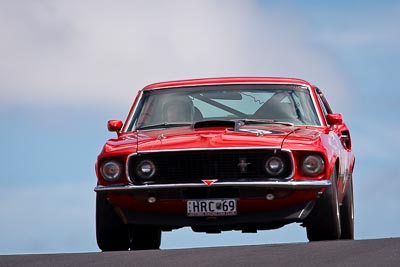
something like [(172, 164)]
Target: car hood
[(178, 138)]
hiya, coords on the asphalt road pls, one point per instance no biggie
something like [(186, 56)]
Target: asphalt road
[(379, 252)]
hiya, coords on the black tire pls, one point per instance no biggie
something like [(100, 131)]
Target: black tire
[(145, 237), (111, 233), (347, 213), (324, 220)]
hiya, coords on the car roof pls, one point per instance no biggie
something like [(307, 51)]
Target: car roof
[(226, 80)]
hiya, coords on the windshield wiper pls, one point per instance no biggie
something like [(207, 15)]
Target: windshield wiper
[(264, 121), (163, 125)]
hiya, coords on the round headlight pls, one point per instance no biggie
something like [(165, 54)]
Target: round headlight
[(274, 165), (111, 170), (313, 165), (146, 169)]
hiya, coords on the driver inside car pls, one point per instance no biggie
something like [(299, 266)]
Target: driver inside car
[(178, 110)]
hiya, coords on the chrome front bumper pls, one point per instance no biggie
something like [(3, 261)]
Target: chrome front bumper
[(292, 184)]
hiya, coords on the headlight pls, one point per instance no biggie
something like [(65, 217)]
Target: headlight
[(146, 169), (313, 165), (111, 170), (274, 165)]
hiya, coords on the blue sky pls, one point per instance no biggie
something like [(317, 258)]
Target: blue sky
[(69, 66)]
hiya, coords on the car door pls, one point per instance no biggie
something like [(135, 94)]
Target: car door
[(345, 153)]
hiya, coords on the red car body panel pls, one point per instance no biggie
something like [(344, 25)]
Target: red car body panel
[(179, 207), (322, 139)]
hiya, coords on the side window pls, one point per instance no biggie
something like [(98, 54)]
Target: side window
[(321, 103), (326, 105)]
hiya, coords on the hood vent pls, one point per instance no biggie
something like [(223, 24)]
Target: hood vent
[(214, 123)]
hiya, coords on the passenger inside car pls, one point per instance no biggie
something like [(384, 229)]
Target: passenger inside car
[(178, 110)]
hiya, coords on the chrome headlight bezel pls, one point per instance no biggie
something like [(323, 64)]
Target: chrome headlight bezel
[(146, 169), (312, 165), (275, 165), (111, 170)]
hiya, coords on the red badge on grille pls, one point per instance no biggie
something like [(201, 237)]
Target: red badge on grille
[(209, 182)]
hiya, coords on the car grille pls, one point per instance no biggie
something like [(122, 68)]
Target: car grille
[(193, 166)]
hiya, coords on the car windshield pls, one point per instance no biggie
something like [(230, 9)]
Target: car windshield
[(177, 107)]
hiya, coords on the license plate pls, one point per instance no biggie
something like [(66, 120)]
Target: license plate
[(215, 207)]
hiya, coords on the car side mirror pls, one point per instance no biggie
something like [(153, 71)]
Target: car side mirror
[(114, 125), (334, 119)]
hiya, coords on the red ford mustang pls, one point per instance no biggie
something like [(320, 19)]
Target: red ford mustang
[(223, 154)]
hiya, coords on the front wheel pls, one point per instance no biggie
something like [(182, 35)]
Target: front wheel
[(145, 237), (324, 220), (111, 233), (347, 213)]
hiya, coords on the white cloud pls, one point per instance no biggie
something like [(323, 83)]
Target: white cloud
[(377, 141), (369, 26), (101, 52)]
